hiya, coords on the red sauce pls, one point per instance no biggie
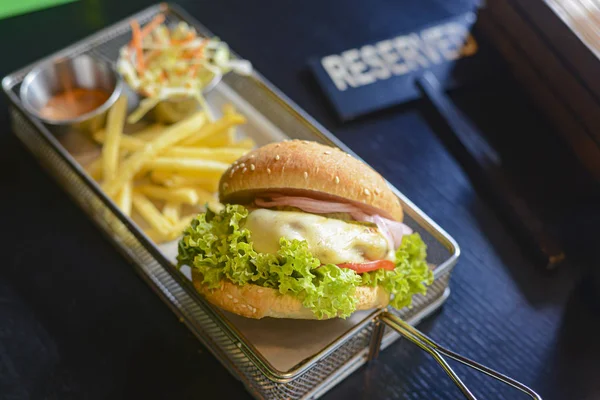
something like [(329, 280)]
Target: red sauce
[(73, 103)]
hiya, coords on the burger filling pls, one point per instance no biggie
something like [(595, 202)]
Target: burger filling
[(282, 243), (332, 241)]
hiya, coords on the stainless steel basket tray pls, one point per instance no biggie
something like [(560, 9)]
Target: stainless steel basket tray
[(263, 354)]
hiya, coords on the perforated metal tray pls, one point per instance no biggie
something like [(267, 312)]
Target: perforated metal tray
[(271, 116)]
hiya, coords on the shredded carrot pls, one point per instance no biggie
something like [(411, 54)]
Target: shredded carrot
[(187, 55), (199, 53), (136, 43), (190, 36), (195, 52), (193, 70), (150, 26)]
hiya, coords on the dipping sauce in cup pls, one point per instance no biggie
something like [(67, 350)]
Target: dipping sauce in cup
[(71, 93), (73, 103)]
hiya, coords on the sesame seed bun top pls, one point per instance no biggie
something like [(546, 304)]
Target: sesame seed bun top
[(309, 169)]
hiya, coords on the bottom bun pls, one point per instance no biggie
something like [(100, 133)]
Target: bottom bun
[(257, 302)]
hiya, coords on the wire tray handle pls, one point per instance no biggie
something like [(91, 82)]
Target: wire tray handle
[(436, 351)]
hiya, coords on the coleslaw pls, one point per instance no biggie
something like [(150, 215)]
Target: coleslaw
[(167, 63)]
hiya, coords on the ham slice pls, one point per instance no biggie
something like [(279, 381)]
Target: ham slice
[(306, 204), (391, 230)]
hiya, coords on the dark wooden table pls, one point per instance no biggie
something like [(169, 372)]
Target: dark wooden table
[(76, 321)]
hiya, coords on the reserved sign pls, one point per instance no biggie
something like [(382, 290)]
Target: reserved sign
[(378, 75)]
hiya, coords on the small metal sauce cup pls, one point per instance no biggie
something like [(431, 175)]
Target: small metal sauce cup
[(56, 76), (175, 109)]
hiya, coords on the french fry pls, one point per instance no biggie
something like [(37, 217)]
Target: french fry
[(124, 198), (148, 133), (130, 143), (94, 169), (229, 109), (225, 139), (156, 237), (209, 130), (215, 206), (190, 166), (173, 181), (146, 105), (114, 130), (224, 154), (220, 139), (204, 196), (172, 211), (246, 143), (176, 195), (175, 231), (184, 163), (151, 214), (171, 135)]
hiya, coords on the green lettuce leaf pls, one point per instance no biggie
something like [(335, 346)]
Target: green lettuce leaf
[(411, 275), (219, 247)]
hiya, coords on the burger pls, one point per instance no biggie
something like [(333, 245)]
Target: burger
[(306, 232)]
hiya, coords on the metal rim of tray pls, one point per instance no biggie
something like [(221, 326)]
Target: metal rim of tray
[(249, 351)]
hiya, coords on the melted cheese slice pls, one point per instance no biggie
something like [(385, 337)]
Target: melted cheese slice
[(332, 241)]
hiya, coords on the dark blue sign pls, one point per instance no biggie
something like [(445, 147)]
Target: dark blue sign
[(378, 75)]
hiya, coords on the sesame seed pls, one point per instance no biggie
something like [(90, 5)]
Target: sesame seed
[(251, 156), (243, 306), (253, 310), (327, 152), (305, 175), (230, 296), (252, 167), (231, 173), (277, 157), (235, 300), (225, 185), (337, 179), (305, 142), (348, 155), (244, 170), (377, 191), (242, 165), (259, 290), (268, 170), (366, 191)]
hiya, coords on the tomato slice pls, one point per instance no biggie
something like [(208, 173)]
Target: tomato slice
[(369, 266)]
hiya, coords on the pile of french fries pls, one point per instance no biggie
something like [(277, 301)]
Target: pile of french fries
[(165, 175)]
